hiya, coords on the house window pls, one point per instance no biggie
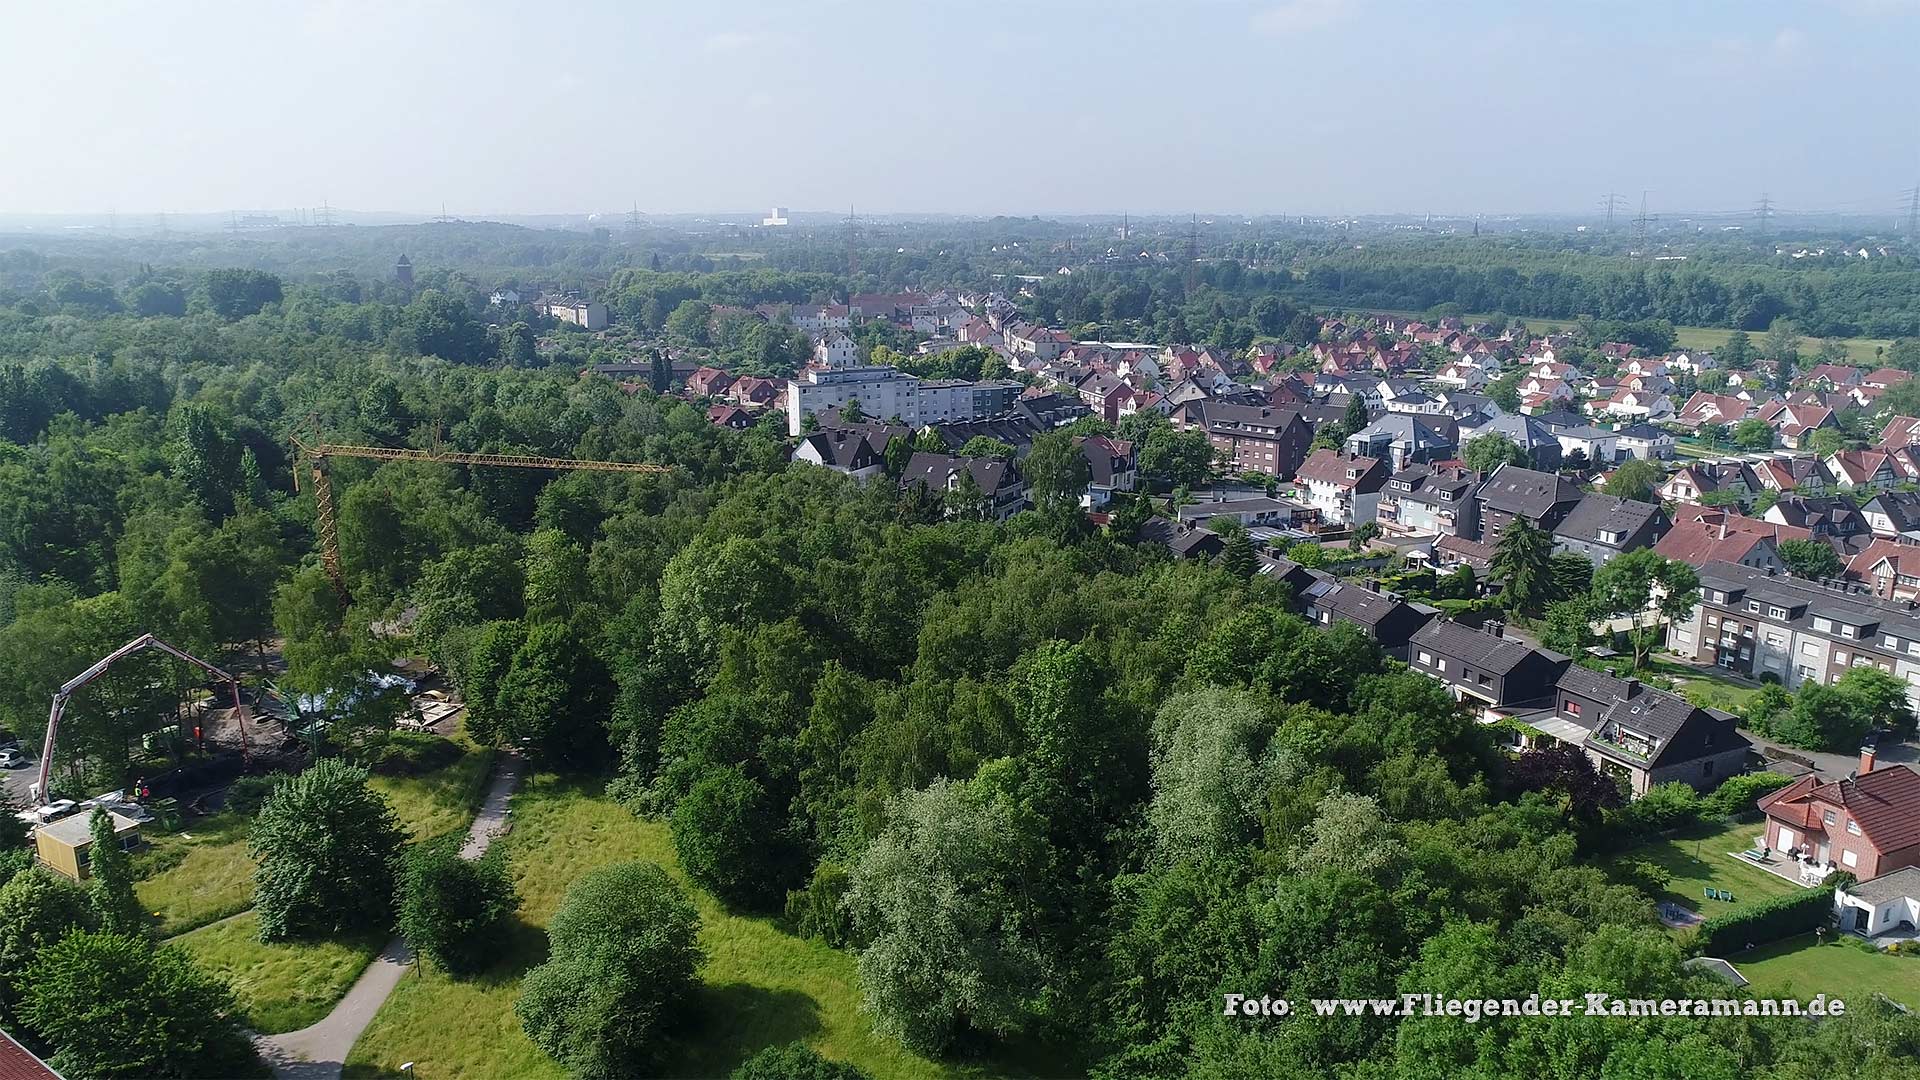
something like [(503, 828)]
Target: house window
[(1829, 818), (1570, 707), (1848, 631), (1753, 605), (1825, 626), (1840, 658), (1426, 657), (1890, 642), (1853, 827), (1810, 648), (1776, 613), (1849, 858), (1441, 663)]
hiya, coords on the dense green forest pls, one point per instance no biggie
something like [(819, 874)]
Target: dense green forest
[(1057, 793)]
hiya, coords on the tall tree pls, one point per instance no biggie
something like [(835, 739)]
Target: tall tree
[(1647, 589), (112, 879), (327, 846), (1057, 473), (1522, 563)]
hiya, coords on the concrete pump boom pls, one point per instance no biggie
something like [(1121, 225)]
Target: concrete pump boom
[(144, 641)]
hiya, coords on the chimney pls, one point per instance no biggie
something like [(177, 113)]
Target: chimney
[(1866, 759)]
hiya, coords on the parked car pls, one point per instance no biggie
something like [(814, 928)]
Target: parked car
[(53, 811), (13, 758)]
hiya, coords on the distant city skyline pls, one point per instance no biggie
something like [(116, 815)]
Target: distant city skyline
[(1244, 107)]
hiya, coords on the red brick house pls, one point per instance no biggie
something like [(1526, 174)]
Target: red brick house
[(709, 382), (1867, 824)]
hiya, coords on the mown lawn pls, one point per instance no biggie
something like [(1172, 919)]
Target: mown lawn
[(281, 987), (761, 986), (1847, 969), (439, 802), (1700, 857)]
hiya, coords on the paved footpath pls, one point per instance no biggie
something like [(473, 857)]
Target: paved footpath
[(318, 1052)]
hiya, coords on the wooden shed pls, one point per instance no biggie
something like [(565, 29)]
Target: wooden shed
[(62, 846)]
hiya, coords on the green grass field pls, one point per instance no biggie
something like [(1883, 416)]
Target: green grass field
[(1702, 856), (761, 986), (282, 987), (1859, 350), (203, 873), (1846, 968), (198, 884)]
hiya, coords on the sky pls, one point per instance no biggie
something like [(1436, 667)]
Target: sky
[(976, 107)]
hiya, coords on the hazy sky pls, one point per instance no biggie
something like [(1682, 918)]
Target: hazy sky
[(976, 106)]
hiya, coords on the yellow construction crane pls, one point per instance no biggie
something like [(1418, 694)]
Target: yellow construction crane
[(317, 454)]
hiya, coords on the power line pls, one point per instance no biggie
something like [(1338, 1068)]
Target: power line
[(1913, 210), (1640, 226), (1763, 213), (1614, 201)]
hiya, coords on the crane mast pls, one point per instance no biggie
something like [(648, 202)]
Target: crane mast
[(317, 454)]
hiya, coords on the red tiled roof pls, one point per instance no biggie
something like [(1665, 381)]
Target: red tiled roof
[(1885, 803), (1697, 543), (17, 1063), (1905, 558)]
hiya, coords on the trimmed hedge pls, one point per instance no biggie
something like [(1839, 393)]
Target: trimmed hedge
[(1767, 920)]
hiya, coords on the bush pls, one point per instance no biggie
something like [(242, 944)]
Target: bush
[(624, 946), (1663, 807), (730, 840), (452, 910), (37, 908), (328, 846), (1766, 920), (796, 1061), (249, 793), (410, 753), (817, 911), (1739, 794)]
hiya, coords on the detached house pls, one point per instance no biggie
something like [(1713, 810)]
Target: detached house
[(1603, 526), (842, 451), (1403, 439), (1346, 490), (1867, 470), (1867, 824), (1646, 737), (1544, 499), (1110, 468)]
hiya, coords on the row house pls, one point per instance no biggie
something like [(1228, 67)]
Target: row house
[(1494, 674), (1703, 408), (1387, 620), (1833, 519), (1754, 623), (1798, 475), (1423, 500), (1545, 499), (1248, 437), (1793, 424), (1345, 490), (1862, 470), (999, 482), (1693, 483), (1698, 542)]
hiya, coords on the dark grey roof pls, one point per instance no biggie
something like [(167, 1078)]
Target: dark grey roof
[(934, 469), (1186, 542), (842, 449), (1412, 429), (1899, 884), (1901, 507), (1476, 647), (1261, 505), (1597, 685), (1639, 431), (1598, 513), (1525, 492), (1355, 604), (1526, 432), (1560, 418)]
